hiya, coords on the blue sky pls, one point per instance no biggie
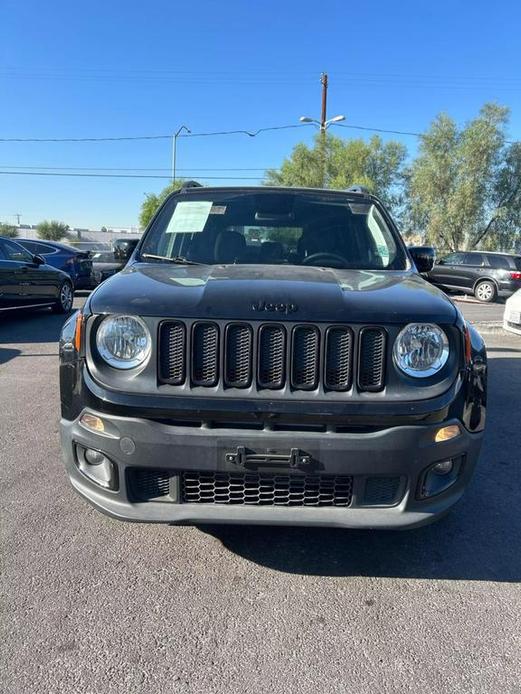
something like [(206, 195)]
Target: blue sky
[(103, 69)]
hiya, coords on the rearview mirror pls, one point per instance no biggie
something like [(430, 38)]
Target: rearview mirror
[(423, 257), (38, 260)]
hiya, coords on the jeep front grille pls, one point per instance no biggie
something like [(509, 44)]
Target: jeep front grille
[(271, 356)]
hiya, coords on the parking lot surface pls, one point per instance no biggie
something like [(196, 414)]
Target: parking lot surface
[(93, 605)]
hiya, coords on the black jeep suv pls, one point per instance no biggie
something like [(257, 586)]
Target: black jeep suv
[(272, 355)]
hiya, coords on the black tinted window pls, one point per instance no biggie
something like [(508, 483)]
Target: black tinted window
[(30, 246), (517, 262), (475, 259), (454, 259), (14, 251), (499, 262), (44, 249)]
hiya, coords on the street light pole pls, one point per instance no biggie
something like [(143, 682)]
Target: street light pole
[(174, 148), (323, 118), (323, 124)]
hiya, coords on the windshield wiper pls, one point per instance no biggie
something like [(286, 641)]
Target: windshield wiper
[(178, 259)]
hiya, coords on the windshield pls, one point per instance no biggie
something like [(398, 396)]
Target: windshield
[(274, 228)]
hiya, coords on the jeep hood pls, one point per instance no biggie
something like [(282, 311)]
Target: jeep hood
[(249, 292)]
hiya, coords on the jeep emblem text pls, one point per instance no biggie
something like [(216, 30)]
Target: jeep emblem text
[(278, 307)]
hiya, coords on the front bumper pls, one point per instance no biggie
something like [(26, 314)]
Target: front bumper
[(84, 282), (400, 451)]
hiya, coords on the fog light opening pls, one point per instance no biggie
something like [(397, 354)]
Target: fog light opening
[(97, 467), (447, 433), (438, 477), (443, 468), (94, 457), (90, 421)]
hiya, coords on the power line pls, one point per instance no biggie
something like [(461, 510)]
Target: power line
[(250, 133), (99, 175), (263, 76), (378, 130), (133, 168)]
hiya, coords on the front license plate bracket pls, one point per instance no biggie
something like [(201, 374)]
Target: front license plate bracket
[(244, 457)]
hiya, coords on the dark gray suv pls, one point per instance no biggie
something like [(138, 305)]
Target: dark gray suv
[(485, 275)]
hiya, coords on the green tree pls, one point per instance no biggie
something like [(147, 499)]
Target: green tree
[(336, 163), (465, 185), (8, 231), (52, 230), (153, 201)]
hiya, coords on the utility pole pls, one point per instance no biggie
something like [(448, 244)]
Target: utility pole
[(323, 118), (323, 124), (17, 218)]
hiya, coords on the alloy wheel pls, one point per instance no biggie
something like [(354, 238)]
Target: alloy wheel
[(485, 291), (66, 297)]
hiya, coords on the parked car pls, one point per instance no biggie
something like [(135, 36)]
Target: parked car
[(76, 263), (26, 281), (106, 263), (512, 314), (486, 275), (91, 245), (310, 378), (123, 248)]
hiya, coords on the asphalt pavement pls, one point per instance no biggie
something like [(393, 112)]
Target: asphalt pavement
[(478, 312), (93, 605)]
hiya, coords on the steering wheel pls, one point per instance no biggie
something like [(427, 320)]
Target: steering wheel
[(338, 261)]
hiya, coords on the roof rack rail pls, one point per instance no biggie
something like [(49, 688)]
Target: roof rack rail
[(191, 184), (358, 189)]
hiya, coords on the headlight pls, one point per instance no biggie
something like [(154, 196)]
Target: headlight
[(123, 341), (421, 350)]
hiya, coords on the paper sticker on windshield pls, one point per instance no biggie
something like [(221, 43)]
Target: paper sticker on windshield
[(218, 209), (189, 217)]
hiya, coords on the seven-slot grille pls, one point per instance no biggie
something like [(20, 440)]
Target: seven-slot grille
[(271, 356)]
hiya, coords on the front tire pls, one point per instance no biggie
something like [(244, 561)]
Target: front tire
[(64, 303), (485, 291)]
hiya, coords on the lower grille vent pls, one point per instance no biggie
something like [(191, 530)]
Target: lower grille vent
[(381, 491), (265, 489), (148, 485)]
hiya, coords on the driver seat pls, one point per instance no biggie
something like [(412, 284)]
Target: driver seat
[(318, 240)]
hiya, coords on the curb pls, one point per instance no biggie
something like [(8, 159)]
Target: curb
[(490, 328), (466, 299)]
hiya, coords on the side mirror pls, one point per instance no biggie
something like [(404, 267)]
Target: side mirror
[(423, 257), (125, 253), (38, 260)]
